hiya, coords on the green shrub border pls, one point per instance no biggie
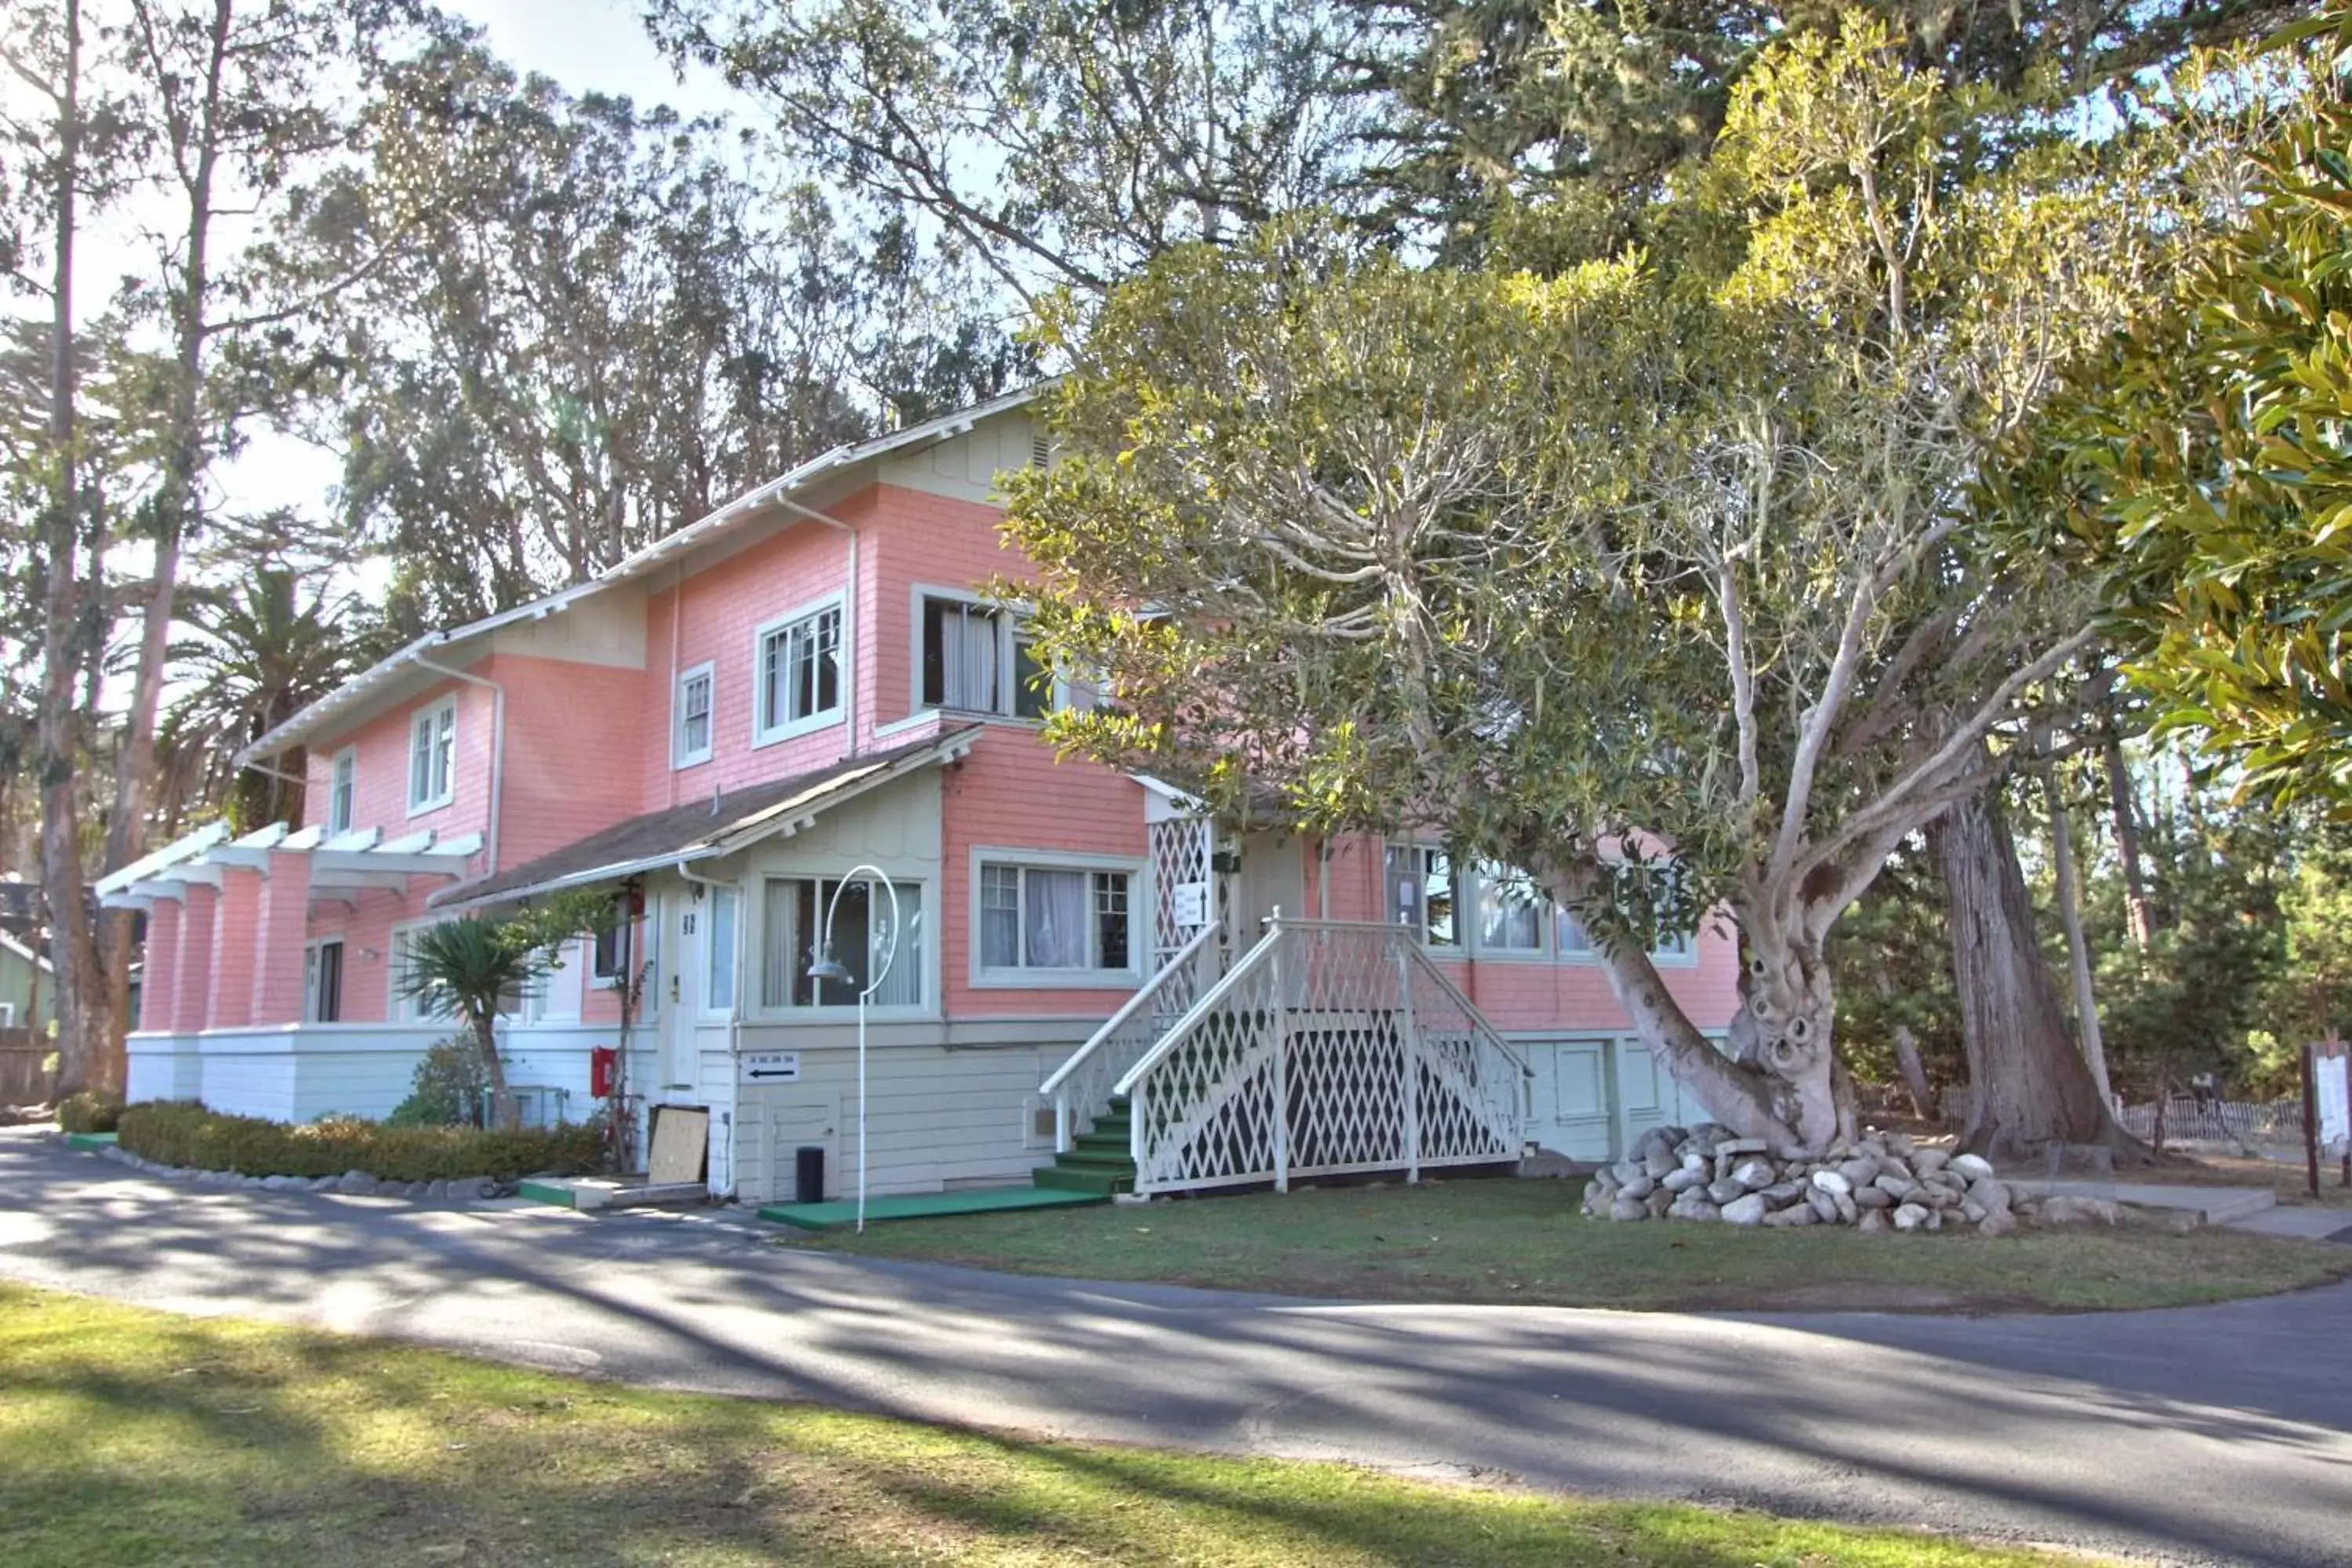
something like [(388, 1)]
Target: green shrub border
[(184, 1133), (88, 1113)]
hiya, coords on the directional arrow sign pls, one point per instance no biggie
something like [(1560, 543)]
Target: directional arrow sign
[(768, 1067)]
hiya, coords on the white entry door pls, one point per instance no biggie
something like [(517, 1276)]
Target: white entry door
[(681, 994)]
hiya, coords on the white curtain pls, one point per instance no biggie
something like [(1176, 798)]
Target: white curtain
[(903, 985), (970, 638), (1057, 920), (780, 942), (999, 916)]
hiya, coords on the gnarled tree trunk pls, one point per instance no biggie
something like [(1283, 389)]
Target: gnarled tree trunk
[(2029, 1087)]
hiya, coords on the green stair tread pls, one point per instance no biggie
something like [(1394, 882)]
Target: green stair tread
[(1061, 1179), (837, 1213), (90, 1140)]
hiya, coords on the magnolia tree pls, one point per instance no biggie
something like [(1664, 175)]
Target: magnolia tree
[(1638, 554)]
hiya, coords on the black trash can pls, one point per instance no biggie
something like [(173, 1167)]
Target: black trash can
[(808, 1170)]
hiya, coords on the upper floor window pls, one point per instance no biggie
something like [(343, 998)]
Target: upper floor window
[(1510, 910), (343, 790), (433, 755), (982, 658), (690, 739), (798, 673)]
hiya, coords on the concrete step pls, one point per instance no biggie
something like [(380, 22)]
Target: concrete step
[(2213, 1205), (589, 1193)]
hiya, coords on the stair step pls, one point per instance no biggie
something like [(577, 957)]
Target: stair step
[(1062, 1178), (1100, 1143), (1094, 1160)]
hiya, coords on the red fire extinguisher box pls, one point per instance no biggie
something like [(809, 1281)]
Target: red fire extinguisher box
[(604, 1069)]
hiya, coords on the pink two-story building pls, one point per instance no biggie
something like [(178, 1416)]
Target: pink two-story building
[(726, 725)]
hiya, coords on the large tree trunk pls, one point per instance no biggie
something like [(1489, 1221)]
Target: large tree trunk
[(2078, 951), (2030, 1087), (83, 1025)]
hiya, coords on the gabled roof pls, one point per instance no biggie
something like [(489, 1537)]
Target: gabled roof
[(706, 830), (735, 514)]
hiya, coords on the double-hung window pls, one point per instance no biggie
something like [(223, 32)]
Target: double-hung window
[(1039, 921), (343, 790), (718, 954), (690, 739), (1510, 911), (797, 673), (1578, 943), (793, 934), (433, 756)]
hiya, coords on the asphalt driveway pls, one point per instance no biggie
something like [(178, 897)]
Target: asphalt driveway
[(2203, 1435)]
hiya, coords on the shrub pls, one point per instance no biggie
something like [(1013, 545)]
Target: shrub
[(183, 1132), (88, 1113), (451, 1089)]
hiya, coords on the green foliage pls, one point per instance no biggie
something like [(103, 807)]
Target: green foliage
[(449, 1088), (89, 1112), (2209, 448), (183, 1133), (1893, 955)]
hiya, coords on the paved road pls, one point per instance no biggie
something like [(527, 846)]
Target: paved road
[(2217, 1434)]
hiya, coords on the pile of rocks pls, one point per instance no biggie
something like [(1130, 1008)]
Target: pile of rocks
[(1880, 1181), (464, 1189)]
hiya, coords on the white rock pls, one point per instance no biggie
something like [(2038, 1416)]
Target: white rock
[(1754, 1174), (1832, 1182), (1911, 1217), (1740, 1146), (1972, 1167), (1928, 1162), (1628, 1209), (1746, 1211), (1727, 1190), (1859, 1173), (1992, 1193), (1681, 1181)]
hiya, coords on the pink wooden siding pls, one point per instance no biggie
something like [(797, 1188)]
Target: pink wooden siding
[(1011, 794), (934, 542), (576, 739)]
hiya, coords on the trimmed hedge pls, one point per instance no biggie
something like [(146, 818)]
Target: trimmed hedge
[(183, 1132), (88, 1113)]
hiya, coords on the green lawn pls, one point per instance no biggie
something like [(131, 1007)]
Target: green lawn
[(1504, 1241), (135, 1436)]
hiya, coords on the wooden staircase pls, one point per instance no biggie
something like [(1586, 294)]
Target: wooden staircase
[(1097, 1161)]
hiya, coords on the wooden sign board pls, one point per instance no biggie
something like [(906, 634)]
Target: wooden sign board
[(681, 1139)]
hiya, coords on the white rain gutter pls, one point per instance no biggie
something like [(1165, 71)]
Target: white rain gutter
[(497, 748)]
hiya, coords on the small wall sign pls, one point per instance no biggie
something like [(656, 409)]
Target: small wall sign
[(1188, 905), (768, 1067)]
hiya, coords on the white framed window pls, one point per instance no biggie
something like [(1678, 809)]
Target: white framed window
[(1576, 945), (322, 981), (791, 931), (555, 999), (343, 790), (433, 755), (718, 954), (796, 672), (403, 1008), (1510, 912), (1423, 895), (1046, 918), (608, 949), (690, 716), (972, 657)]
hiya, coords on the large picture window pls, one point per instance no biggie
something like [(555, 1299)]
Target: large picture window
[(1039, 919), (1508, 914), (792, 915), (433, 756), (798, 674)]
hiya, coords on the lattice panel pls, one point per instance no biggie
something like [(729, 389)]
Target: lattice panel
[(1181, 850), (1328, 1048)]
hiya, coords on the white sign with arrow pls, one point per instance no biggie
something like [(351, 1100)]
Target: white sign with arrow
[(768, 1067)]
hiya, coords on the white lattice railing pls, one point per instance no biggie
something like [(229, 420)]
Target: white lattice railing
[(1081, 1087), (1328, 1048)]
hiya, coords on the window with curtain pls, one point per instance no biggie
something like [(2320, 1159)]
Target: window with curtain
[(792, 912), (1054, 918), (1510, 910), (961, 667), (800, 673)]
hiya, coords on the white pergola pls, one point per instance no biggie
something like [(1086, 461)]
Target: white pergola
[(342, 865)]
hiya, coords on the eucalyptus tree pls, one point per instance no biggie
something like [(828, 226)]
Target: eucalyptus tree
[(1572, 567), (1059, 143)]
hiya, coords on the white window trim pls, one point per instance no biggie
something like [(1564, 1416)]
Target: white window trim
[(1011, 616), (679, 757), (1139, 908), (399, 1009), (751, 941), (707, 953), (1473, 940), (1469, 892), (827, 718), (569, 982), (1466, 904), (334, 770), (423, 716), (1660, 958)]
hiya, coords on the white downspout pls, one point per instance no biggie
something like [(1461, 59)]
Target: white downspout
[(734, 1014), (676, 636), (497, 749), (851, 628)]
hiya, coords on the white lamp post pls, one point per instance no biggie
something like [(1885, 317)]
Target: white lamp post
[(827, 967)]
